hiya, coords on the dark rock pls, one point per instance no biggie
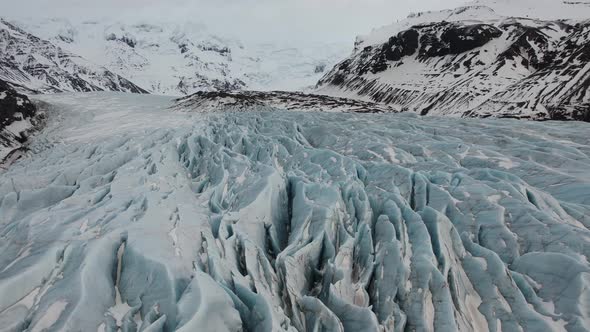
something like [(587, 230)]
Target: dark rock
[(525, 48), (14, 107), (320, 68), (537, 72), (129, 41), (275, 100), (461, 39), (183, 48), (404, 44)]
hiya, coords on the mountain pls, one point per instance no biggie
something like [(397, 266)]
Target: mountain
[(175, 58), (474, 62), (541, 9), (141, 213), (18, 117), (39, 65)]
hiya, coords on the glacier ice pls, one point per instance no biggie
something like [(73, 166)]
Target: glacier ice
[(130, 216)]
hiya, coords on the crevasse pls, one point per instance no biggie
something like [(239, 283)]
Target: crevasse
[(288, 221)]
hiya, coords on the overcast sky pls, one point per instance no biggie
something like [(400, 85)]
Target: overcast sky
[(321, 20)]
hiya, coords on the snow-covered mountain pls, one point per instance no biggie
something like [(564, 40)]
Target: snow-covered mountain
[(38, 65), (134, 216), (473, 61), (18, 117), (541, 9), (182, 58)]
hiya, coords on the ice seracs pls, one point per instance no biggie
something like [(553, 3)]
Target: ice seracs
[(150, 217)]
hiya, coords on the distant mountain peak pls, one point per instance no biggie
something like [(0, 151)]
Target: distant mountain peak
[(39, 65), (178, 58)]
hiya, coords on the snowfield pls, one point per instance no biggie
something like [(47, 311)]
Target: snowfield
[(183, 57), (129, 214), (34, 65)]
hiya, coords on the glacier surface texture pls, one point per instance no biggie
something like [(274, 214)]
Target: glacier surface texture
[(130, 215)]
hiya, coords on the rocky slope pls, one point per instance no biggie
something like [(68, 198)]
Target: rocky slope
[(472, 61), (244, 101), (18, 117), (38, 65), (176, 58)]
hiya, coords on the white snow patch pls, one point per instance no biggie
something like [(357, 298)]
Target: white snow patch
[(390, 151)]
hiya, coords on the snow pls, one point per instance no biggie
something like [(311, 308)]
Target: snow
[(129, 212), (484, 10), (18, 127), (467, 13), (541, 9), (540, 76), (179, 58), (35, 64)]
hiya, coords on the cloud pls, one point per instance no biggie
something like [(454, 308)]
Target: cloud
[(319, 20)]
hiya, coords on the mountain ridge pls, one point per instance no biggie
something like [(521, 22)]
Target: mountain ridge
[(460, 66), (39, 65), (180, 58)]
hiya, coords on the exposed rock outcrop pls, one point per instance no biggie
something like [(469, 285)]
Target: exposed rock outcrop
[(472, 63)]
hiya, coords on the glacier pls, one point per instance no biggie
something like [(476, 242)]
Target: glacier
[(129, 214)]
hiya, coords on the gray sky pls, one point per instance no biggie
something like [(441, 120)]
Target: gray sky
[(320, 20)]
